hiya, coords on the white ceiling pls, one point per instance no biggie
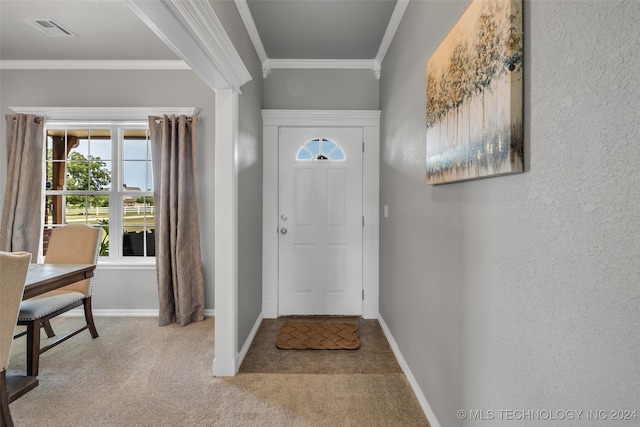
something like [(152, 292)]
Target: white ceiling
[(109, 30)]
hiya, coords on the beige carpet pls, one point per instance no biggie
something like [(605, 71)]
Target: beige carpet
[(139, 374), (301, 335)]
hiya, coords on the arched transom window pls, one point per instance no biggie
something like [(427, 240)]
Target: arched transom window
[(320, 149)]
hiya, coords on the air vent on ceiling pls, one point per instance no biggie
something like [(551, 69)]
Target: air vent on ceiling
[(50, 27)]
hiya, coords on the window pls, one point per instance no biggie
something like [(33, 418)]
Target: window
[(320, 149), (102, 175)]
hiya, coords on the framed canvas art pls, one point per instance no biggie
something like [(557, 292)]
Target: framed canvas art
[(474, 90)]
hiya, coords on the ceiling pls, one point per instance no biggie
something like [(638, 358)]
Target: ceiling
[(321, 29), (109, 30)]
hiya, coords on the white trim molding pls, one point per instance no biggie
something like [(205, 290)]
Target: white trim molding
[(94, 65), (195, 34), (321, 64), (426, 408), (247, 344), (250, 25), (369, 121), (334, 64), (390, 32)]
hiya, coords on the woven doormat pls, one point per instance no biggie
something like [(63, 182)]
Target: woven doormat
[(298, 335)]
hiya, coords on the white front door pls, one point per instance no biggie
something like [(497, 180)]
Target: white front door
[(320, 221)]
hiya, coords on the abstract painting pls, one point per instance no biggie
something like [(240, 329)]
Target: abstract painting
[(474, 90)]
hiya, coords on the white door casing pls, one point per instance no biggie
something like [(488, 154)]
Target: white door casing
[(369, 122), (320, 215)]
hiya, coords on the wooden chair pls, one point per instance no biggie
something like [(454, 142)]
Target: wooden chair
[(71, 244), (13, 272)]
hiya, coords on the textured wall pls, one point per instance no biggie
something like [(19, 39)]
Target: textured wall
[(521, 292), (124, 289), (321, 90)]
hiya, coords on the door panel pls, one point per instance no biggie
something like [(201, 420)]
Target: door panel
[(320, 204)]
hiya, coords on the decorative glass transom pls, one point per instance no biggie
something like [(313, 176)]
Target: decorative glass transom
[(320, 149)]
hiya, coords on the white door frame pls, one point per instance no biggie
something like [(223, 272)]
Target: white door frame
[(369, 121)]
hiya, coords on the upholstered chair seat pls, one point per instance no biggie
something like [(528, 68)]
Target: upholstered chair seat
[(40, 306)]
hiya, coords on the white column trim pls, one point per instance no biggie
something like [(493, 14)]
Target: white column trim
[(369, 121), (226, 233), (193, 31)]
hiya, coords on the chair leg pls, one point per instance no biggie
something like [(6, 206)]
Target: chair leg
[(88, 315), (5, 414), (48, 329), (33, 347)]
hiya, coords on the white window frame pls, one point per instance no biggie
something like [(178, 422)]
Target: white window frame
[(107, 118), (115, 193)]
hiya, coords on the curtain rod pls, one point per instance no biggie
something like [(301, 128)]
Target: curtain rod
[(35, 119), (158, 121)]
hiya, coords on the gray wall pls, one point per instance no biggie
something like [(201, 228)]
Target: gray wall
[(521, 292), (125, 289), (321, 90), (249, 174)]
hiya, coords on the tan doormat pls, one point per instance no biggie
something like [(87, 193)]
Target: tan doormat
[(298, 335)]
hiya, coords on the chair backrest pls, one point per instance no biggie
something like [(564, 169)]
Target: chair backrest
[(75, 244), (13, 273)]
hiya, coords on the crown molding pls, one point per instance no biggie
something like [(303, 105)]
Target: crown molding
[(104, 113), (377, 69), (335, 64), (321, 117), (250, 25), (93, 65), (390, 32), (323, 64), (193, 31), (374, 65), (266, 68)]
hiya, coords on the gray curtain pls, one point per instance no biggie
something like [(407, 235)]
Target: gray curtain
[(175, 183), (22, 208)]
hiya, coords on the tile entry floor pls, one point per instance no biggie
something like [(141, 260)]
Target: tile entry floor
[(373, 357)]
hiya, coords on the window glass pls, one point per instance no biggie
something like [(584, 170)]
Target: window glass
[(102, 177), (320, 149)]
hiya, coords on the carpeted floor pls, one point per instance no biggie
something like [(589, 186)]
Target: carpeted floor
[(139, 374)]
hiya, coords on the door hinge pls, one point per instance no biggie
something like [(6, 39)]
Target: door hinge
[(363, 295), (363, 220), (363, 146)]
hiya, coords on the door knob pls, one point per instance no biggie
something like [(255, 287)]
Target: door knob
[(283, 230)]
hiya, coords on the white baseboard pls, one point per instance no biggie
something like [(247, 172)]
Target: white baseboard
[(79, 312), (245, 348), (426, 408)]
